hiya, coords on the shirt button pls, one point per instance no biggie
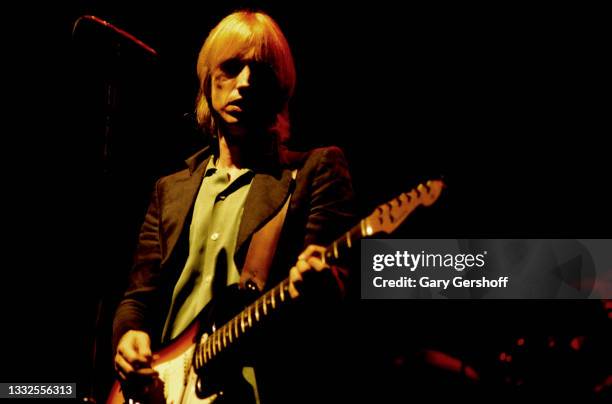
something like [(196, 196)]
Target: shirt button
[(214, 236)]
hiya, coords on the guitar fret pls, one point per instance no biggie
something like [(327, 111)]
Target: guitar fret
[(223, 335), (265, 304), (256, 310), (326, 256), (242, 321), (218, 341), (282, 292), (348, 239), (335, 245), (272, 300), (249, 316)]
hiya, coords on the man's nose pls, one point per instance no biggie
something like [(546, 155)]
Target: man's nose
[(244, 77)]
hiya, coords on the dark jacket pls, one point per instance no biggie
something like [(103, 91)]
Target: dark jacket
[(320, 210)]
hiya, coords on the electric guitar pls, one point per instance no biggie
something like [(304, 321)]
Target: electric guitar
[(199, 365)]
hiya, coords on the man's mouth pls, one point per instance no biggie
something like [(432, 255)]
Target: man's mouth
[(235, 106)]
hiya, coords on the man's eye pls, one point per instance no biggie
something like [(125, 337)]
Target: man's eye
[(231, 67)]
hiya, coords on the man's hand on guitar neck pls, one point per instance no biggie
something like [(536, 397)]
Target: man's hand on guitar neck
[(311, 265), (134, 357)]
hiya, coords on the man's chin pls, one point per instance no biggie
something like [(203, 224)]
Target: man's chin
[(235, 129), (240, 125)]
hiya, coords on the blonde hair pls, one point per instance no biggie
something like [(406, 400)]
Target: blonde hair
[(235, 35)]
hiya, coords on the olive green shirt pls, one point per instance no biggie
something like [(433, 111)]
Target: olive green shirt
[(212, 242)]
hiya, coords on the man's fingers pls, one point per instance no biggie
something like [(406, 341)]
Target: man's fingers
[(310, 260), (305, 265), (317, 264), (302, 266), (122, 365), (142, 348), (142, 359), (137, 353), (132, 357), (148, 373), (295, 278), (311, 250), (125, 370)]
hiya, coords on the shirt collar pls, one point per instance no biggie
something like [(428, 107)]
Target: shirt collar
[(211, 169)]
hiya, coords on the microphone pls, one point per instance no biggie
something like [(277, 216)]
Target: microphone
[(119, 31)]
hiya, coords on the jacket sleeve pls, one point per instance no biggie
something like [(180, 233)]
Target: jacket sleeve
[(332, 204), (133, 312)]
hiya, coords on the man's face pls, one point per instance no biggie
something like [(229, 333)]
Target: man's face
[(244, 92)]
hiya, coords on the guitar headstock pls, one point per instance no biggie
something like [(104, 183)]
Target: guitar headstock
[(388, 216)]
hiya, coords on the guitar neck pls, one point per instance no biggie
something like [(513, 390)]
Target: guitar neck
[(337, 250), (224, 337), (384, 219)]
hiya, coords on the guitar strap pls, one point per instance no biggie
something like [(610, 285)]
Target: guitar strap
[(263, 247)]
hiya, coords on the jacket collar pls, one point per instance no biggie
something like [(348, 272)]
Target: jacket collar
[(197, 159)]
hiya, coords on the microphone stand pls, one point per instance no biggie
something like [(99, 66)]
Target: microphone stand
[(110, 107)]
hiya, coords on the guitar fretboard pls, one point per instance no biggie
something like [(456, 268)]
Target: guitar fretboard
[(226, 336)]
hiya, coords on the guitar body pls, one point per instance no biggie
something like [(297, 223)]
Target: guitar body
[(219, 381)]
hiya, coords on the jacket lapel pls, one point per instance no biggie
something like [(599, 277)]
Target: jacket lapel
[(179, 206), (265, 198), (267, 194)]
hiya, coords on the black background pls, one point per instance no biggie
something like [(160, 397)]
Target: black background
[(509, 104)]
